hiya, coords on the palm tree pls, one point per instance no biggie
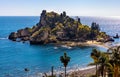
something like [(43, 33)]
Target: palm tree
[(95, 55), (100, 59), (115, 60), (65, 59), (104, 63), (108, 62)]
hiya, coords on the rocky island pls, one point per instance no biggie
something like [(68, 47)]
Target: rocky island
[(55, 28)]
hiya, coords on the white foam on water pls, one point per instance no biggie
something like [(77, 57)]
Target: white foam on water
[(3, 38), (65, 46), (55, 47)]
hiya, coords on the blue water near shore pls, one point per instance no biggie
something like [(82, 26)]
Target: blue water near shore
[(15, 56)]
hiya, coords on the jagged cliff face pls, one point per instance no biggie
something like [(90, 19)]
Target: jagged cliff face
[(54, 27)]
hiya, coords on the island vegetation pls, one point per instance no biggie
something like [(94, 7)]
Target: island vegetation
[(56, 28)]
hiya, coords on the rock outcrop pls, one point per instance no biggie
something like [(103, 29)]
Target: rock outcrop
[(54, 27), (13, 36)]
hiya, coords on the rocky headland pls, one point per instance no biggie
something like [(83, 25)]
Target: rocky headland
[(57, 28)]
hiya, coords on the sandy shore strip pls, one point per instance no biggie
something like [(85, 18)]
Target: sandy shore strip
[(87, 43), (79, 72), (99, 44), (83, 72)]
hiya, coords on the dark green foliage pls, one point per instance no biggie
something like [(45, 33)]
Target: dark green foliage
[(65, 59), (108, 62), (95, 30), (79, 20), (103, 61), (95, 56), (95, 53), (64, 14), (95, 26)]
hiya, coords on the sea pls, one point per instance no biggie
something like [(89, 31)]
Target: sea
[(16, 56)]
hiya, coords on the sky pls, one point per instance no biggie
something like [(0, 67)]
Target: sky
[(72, 7)]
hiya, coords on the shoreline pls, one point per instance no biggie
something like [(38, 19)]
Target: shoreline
[(69, 44), (88, 70), (84, 72), (76, 72)]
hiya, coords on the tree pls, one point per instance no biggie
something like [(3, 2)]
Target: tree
[(115, 60), (108, 62), (102, 60), (65, 59), (95, 55), (95, 26), (95, 29), (64, 14), (104, 63)]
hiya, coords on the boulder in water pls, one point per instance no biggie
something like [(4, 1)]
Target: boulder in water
[(116, 36), (13, 36)]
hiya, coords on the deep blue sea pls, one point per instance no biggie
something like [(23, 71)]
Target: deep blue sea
[(15, 56)]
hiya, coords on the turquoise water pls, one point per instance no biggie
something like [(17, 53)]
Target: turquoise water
[(15, 56)]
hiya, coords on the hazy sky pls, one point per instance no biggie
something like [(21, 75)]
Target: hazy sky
[(72, 7)]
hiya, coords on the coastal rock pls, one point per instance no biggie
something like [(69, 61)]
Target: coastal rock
[(117, 36), (23, 33), (43, 18), (109, 40), (39, 39), (13, 36), (25, 38)]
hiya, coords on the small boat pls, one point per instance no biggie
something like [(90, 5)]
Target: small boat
[(116, 36)]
